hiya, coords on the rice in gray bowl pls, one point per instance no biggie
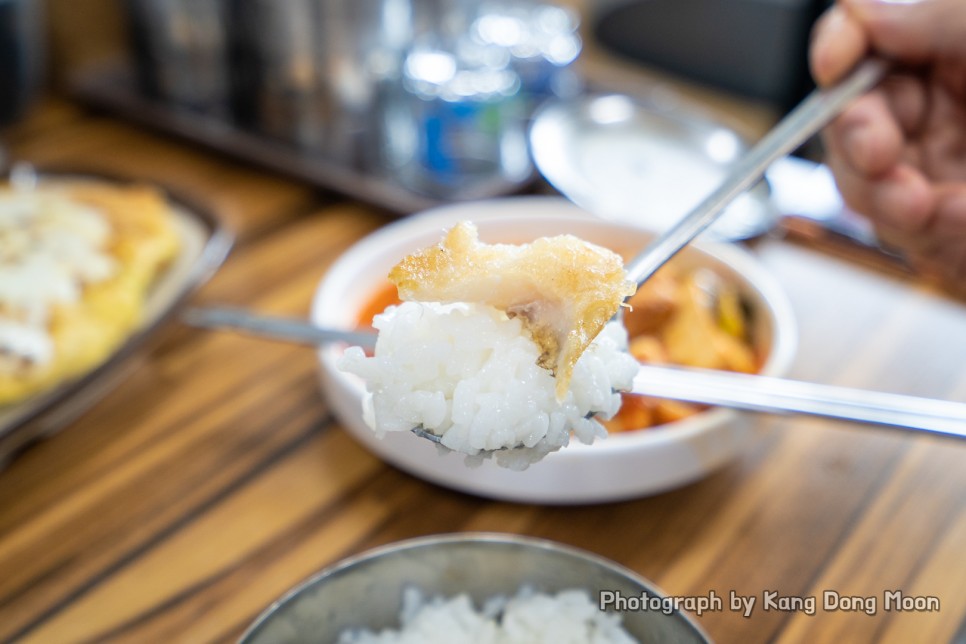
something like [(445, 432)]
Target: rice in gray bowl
[(565, 617)]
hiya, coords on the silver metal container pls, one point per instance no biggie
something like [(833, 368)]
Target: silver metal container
[(279, 81), (21, 56), (366, 591), (310, 71), (183, 46)]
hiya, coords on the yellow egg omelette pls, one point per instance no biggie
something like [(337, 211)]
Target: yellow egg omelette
[(77, 262)]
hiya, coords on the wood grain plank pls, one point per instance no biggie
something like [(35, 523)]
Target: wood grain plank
[(936, 578), (49, 114), (369, 515), (308, 245), (146, 497), (276, 502), (921, 506), (212, 479), (104, 461)]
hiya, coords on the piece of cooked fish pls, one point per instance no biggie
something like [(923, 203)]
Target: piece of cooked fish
[(566, 289)]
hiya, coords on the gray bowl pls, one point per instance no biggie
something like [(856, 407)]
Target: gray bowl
[(366, 591)]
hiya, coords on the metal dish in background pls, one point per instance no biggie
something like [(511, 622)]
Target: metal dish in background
[(204, 246), (113, 88), (22, 47), (366, 591), (643, 165)]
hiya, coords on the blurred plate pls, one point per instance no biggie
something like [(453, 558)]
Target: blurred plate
[(643, 165), (204, 245)]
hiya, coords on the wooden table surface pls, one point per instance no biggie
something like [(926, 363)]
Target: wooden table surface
[(215, 477)]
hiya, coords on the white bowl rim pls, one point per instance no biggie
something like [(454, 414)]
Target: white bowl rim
[(778, 361), (710, 425)]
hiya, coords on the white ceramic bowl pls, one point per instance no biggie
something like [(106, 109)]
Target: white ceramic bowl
[(624, 465)]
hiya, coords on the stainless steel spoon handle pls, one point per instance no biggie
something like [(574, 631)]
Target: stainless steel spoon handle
[(722, 388), (777, 395), (820, 107)]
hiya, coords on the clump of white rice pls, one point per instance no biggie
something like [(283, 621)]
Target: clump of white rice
[(568, 617), (468, 373)]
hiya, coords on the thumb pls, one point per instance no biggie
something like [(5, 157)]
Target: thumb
[(912, 31)]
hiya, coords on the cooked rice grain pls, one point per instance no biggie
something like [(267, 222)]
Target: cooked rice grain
[(568, 617), (468, 373)]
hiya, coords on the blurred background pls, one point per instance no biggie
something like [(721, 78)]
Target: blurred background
[(752, 47), (403, 98)]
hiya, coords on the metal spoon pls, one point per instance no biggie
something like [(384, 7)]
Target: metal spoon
[(800, 124), (814, 112), (721, 388)]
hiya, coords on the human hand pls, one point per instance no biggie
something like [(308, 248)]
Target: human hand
[(899, 153)]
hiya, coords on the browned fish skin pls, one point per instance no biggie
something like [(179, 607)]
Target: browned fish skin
[(566, 289)]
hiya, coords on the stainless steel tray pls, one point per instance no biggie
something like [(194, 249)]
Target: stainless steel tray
[(204, 246), (113, 87)]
